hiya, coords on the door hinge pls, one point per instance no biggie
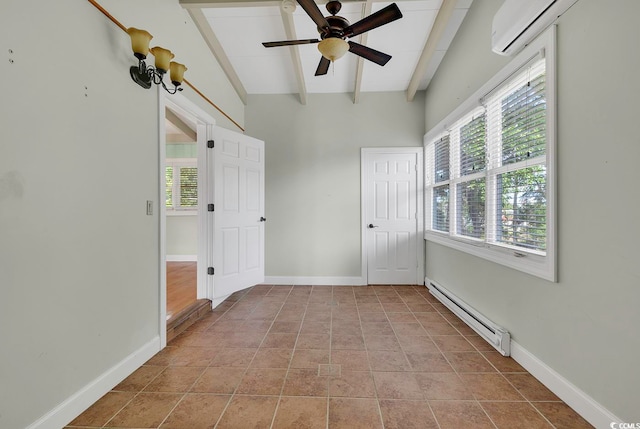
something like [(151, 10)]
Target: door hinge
[(210, 144), (210, 207), (210, 271)]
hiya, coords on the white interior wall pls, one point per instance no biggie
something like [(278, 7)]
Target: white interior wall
[(313, 173), (583, 327), (79, 257)]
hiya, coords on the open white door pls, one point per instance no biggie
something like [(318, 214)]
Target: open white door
[(392, 215), (237, 250)]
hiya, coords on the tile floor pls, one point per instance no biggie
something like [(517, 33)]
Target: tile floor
[(330, 357)]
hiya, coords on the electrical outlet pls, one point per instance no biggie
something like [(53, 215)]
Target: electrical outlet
[(149, 207)]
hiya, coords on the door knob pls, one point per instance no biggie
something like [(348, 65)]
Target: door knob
[(263, 219), (372, 226)]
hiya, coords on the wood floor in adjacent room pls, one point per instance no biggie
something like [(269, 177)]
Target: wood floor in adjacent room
[(181, 286), (369, 357)]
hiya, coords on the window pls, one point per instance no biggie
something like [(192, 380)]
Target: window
[(182, 185), (489, 174)]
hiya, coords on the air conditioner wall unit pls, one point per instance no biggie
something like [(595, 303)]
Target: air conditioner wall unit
[(518, 22)]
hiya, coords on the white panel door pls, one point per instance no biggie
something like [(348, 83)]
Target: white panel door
[(238, 232), (391, 217)]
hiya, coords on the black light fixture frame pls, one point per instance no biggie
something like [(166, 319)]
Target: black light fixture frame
[(145, 75)]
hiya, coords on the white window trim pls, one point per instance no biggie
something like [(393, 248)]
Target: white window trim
[(181, 162), (531, 262)]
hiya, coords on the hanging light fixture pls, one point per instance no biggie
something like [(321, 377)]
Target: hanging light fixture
[(145, 75)]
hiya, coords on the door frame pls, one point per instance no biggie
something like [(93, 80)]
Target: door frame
[(181, 104), (365, 187)]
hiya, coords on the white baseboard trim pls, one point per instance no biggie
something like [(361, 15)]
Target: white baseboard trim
[(315, 281), (70, 408), (182, 258), (582, 403)]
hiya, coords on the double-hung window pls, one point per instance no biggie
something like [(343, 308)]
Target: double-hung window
[(182, 185), (489, 172)]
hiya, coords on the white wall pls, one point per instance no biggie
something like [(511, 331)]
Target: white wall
[(79, 258), (585, 326), (182, 236), (313, 173)]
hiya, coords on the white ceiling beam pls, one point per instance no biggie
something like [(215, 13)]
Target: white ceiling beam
[(439, 25), (290, 30), (366, 11), (203, 4), (216, 48), (182, 126)]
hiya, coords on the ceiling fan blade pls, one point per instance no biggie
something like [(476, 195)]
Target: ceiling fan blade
[(323, 66), (369, 54), (289, 43), (314, 13), (375, 20)]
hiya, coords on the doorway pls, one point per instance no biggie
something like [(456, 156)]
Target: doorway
[(392, 215)]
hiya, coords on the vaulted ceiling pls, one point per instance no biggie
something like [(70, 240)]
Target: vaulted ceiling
[(235, 30)]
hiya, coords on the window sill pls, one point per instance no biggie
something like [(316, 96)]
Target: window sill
[(182, 212), (532, 263)]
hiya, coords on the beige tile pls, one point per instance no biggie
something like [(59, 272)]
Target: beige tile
[(469, 362), (397, 385), (460, 414), (403, 414), (352, 384), (309, 358), (313, 341), (175, 379), (218, 380), (388, 360), (262, 381), (305, 382), (139, 379), (515, 414), (301, 413), (561, 415), (443, 385), (234, 357), (196, 411), (491, 387), (531, 388), (453, 343), (347, 342), (350, 413), (356, 360), (417, 343), (502, 363), (106, 407), (249, 412), (272, 358), (279, 341), (146, 410), (428, 362), (381, 342)]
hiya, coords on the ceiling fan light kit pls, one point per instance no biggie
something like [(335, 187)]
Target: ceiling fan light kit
[(333, 48), (334, 30)]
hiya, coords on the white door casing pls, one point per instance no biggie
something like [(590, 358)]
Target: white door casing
[(392, 216), (237, 249)]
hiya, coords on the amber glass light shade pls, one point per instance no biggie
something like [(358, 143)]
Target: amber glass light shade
[(139, 42), (333, 48), (176, 72), (163, 57)]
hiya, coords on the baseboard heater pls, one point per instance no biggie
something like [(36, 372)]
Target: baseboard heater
[(497, 336)]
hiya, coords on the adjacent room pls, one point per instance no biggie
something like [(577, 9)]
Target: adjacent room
[(298, 213)]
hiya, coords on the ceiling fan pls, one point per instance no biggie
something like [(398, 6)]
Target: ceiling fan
[(334, 30)]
